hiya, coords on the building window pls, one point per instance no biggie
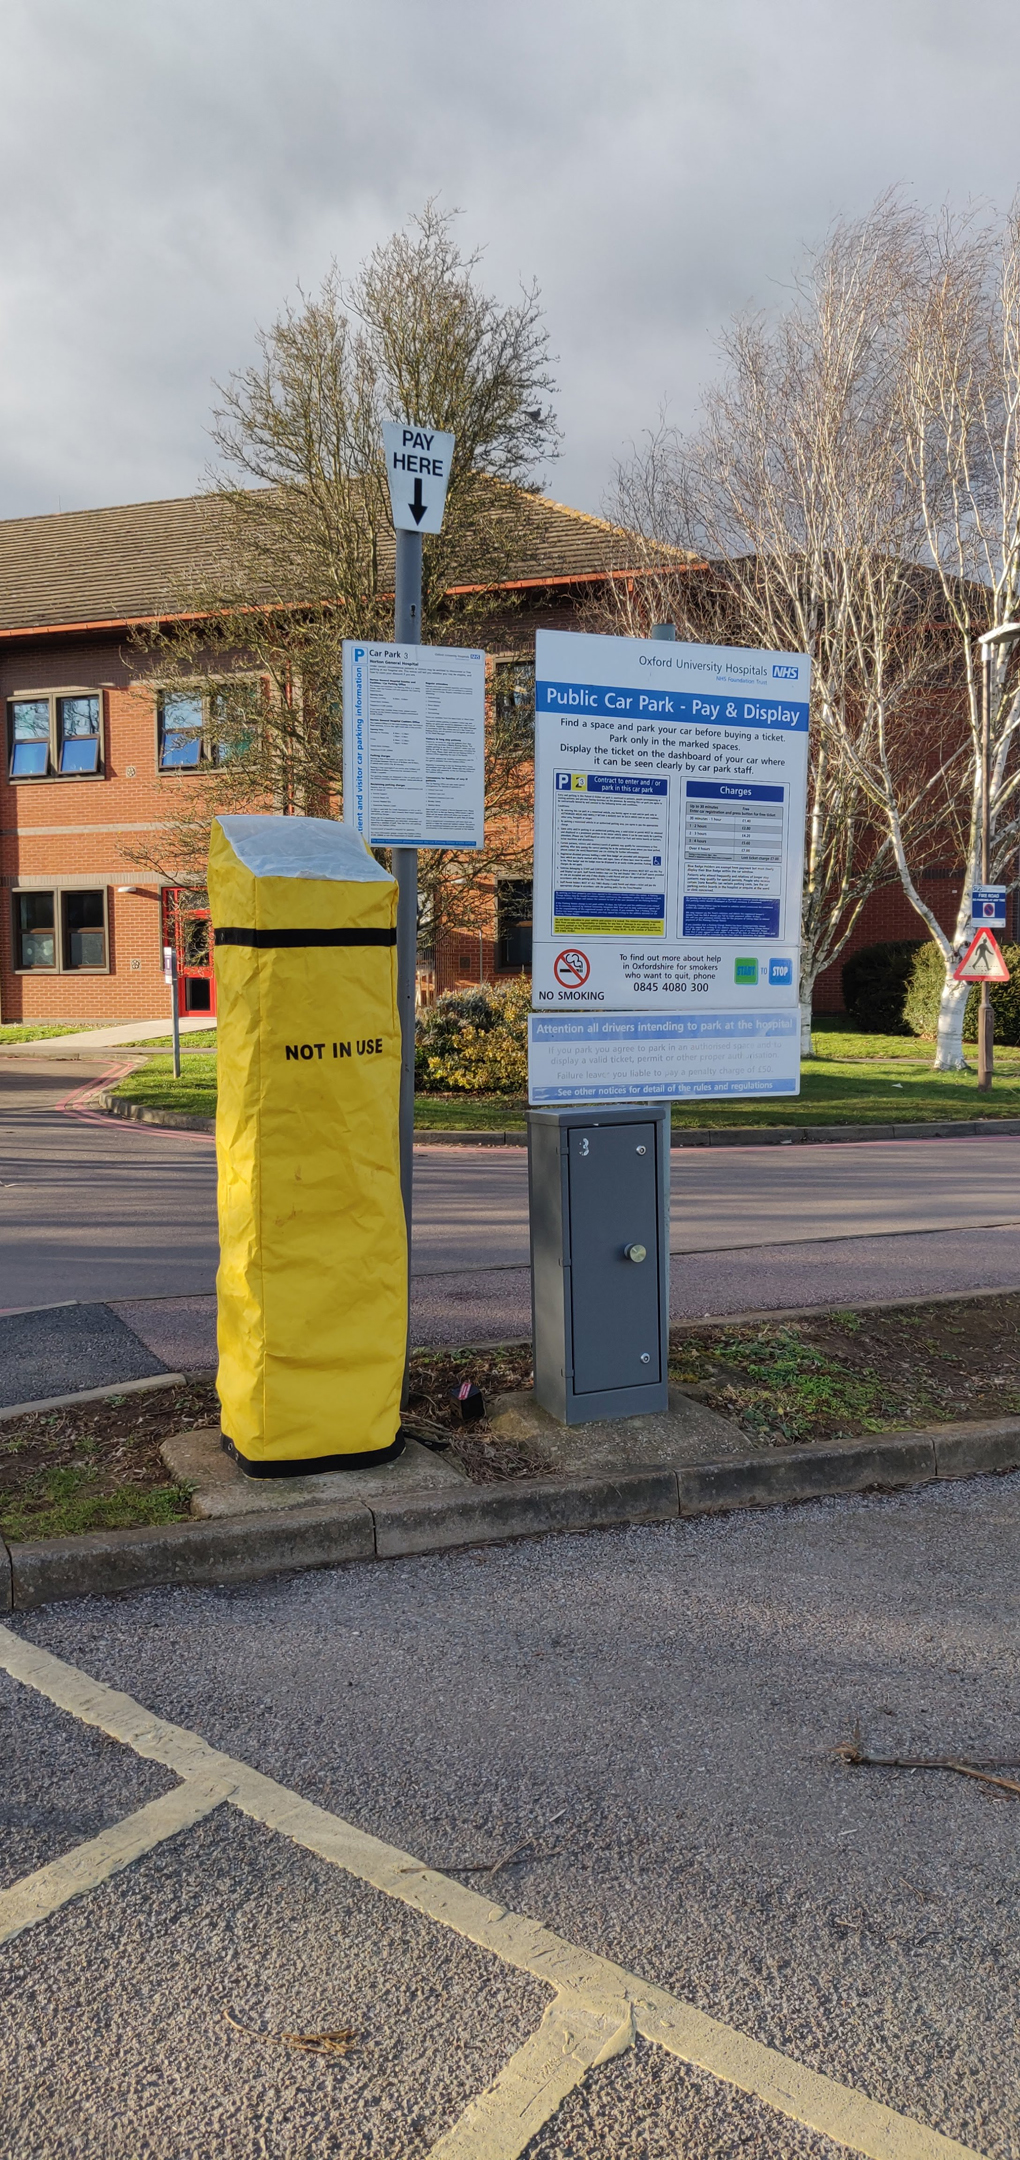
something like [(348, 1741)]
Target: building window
[(60, 932), (34, 916), (197, 728), (84, 929), (55, 734), (514, 922), (180, 730), (514, 708), (30, 738), (78, 734)]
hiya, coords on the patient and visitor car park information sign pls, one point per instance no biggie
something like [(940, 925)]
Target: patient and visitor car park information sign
[(670, 790), (414, 744)]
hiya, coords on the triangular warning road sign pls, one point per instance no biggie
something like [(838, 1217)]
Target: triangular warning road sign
[(982, 961)]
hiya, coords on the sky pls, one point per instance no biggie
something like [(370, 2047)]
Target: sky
[(170, 173)]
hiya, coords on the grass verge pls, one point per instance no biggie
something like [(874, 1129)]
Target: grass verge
[(852, 1079), (16, 1033), (97, 1465)]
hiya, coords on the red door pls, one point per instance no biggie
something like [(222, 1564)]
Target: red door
[(187, 927)]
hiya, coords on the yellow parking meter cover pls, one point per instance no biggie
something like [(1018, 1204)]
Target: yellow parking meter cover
[(312, 1282)]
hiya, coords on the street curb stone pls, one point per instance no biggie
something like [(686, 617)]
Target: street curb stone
[(238, 1549), (93, 1394), (808, 1474), (116, 1106), (439, 1521), (965, 1450), (243, 1548)]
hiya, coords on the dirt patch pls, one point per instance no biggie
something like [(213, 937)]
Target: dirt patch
[(843, 1374), (837, 1376), (486, 1456), (96, 1466)]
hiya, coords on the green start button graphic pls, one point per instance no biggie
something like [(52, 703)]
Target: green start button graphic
[(746, 972)]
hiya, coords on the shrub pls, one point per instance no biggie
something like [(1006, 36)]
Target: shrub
[(875, 985), (475, 1041), (923, 995), (923, 992), (1005, 1003)]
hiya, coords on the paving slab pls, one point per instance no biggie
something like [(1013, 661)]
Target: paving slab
[(221, 1488), (685, 1433), (182, 1330)]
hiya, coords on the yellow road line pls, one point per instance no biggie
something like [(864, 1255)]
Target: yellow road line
[(38, 1895), (820, 2103), (571, 2039)]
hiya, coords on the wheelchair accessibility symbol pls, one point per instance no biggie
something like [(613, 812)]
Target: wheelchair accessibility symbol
[(571, 968)]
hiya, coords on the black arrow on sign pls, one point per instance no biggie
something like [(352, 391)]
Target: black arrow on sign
[(416, 507)]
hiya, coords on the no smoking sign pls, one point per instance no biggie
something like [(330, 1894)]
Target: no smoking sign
[(571, 968)]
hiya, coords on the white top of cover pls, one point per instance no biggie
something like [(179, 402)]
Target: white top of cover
[(302, 847)]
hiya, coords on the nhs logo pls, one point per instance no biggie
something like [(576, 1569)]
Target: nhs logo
[(784, 674)]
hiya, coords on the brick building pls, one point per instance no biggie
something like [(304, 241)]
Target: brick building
[(92, 749)]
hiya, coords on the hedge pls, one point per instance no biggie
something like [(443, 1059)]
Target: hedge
[(475, 1041), (875, 984), (896, 989)]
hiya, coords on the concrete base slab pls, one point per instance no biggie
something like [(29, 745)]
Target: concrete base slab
[(221, 1488), (685, 1433)]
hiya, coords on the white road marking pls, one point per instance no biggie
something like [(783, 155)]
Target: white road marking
[(589, 1981), (38, 1895)]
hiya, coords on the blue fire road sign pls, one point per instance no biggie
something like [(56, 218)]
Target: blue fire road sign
[(988, 906)]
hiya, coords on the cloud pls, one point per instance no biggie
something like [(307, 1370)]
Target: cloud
[(167, 176)]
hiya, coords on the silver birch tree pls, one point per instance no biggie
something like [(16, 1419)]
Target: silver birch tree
[(963, 459), (792, 493)]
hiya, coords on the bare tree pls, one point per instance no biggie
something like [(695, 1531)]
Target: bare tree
[(792, 491), (963, 458), (303, 553)]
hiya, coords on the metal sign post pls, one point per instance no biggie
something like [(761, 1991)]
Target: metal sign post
[(418, 461), (407, 631), (1004, 637), (170, 976)]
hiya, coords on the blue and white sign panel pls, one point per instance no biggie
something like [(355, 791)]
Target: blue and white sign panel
[(414, 744), (622, 1057), (988, 906), (670, 786)]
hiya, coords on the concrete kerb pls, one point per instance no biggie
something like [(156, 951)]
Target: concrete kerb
[(242, 1549), (117, 1106), (112, 1389)]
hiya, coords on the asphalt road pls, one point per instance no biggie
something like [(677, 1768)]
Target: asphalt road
[(634, 1730), (126, 1214)]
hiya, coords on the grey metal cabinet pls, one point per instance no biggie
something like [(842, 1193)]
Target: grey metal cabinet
[(599, 1188)]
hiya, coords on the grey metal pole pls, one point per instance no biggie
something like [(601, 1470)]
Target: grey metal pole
[(175, 1018), (664, 632), (407, 631), (986, 1017)]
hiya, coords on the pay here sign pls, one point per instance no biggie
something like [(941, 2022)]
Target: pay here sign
[(670, 788)]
